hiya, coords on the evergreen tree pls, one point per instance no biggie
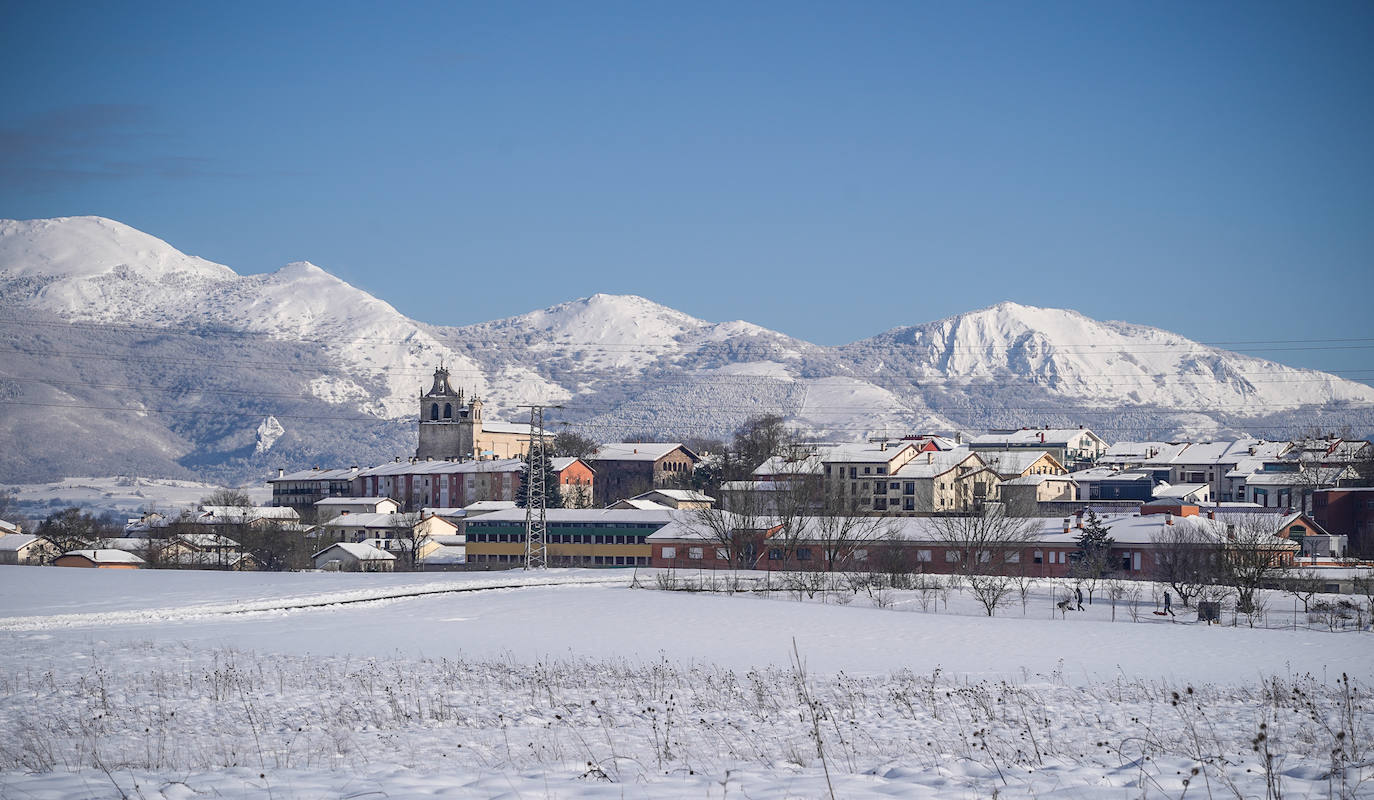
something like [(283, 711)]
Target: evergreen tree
[(553, 498), (1093, 560)]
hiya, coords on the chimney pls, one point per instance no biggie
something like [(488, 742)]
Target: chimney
[(882, 447), (930, 457), (1168, 518), (1211, 513), (280, 472), (1068, 525)]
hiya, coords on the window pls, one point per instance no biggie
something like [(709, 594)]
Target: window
[(909, 504), (868, 470), (909, 488), (952, 556), (448, 411), (923, 555), (433, 411), (1039, 557), (722, 554), (803, 554), (860, 555), (1012, 556), (853, 472), (882, 470), (774, 554), (670, 552), (694, 552)]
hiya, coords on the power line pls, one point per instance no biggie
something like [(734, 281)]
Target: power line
[(1301, 374), (576, 425), (591, 406), (1341, 343)]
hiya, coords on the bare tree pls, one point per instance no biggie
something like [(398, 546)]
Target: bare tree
[(839, 531), (987, 547), (1252, 556), (1304, 584), (571, 443), (74, 529), (235, 498), (409, 536), (1186, 560)]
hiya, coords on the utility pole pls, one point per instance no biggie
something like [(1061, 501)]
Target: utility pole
[(536, 502)]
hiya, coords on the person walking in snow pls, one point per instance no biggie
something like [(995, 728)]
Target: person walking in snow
[(1078, 596), (1168, 605)]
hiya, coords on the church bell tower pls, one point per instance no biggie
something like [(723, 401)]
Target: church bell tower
[(445, 422)]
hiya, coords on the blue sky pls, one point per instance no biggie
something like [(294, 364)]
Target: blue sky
[(827, 170)]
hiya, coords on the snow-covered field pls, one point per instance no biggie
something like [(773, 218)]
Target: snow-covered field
[(175, 684), (121, 493)]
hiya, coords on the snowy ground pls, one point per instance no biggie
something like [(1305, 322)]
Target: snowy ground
[(174, 684)]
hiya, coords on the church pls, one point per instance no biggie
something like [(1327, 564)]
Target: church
[(452, 428)]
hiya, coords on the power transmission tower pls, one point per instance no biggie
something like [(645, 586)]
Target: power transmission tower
[(536, 492)]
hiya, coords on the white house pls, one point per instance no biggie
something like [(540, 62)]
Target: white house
[(354, 557)]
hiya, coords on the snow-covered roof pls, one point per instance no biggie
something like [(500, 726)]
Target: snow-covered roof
[(444, 467), (244, 514), (1094, 473), (127, 544), (1028, 437), (1318, 476), (371, 520), (207, 540), (14, 542), (594, 515), (443, 512), (353, 501), (8, 528), (1178, 490), (487, 506), (1006, 462), (107, 555), (940, 442), (864, 452), (347, 474), (362, 552), (637, 451), (638, 503), (1134, 452), (937, 462), (1036, 480), (681, 495), (563, 462), (521, 428)]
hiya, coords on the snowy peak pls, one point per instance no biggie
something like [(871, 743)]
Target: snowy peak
[(87, 247), (1107, 363), (604, 318)]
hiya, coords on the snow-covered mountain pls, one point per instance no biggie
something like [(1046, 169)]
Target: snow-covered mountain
[(122, 354)]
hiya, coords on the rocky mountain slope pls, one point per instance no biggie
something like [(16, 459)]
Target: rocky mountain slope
[(123, 355)]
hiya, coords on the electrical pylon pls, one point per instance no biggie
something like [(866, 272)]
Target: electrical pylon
[(536, 495)]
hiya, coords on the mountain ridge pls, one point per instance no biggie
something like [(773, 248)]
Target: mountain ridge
[(207, 357)]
